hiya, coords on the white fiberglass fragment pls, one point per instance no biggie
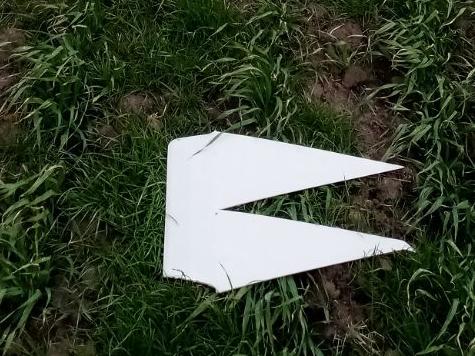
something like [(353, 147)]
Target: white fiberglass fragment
[(225, 249)]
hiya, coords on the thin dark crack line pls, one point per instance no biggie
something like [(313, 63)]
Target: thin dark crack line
[(208, 144), (171, 217)]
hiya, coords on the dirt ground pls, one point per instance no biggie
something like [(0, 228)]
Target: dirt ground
[(9, 127), (375, 198)]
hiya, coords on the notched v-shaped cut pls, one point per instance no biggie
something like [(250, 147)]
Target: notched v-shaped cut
[(227, 249)]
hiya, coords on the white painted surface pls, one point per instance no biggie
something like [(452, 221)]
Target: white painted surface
[(226, 249)]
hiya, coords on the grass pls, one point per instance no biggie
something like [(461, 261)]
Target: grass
[(25, 267), (82, 222), (429, 51)]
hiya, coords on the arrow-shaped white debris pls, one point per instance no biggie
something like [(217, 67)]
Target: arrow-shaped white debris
[(228, 249)]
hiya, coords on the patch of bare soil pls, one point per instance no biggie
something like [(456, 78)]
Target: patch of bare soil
[(214, 112), (333, 93), (344, 88), (375, 127), (9, 130), (374, 124), (65, 348), (349, 32), (137, 103), (354, 76), (318, 22), (103, 135), (314, 19), (7, 79), (466, 24), (150, 106), (375, 202), (345, 313), (345, 92), (63, 326), (338, 312), (10, 38), (154, 121)]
